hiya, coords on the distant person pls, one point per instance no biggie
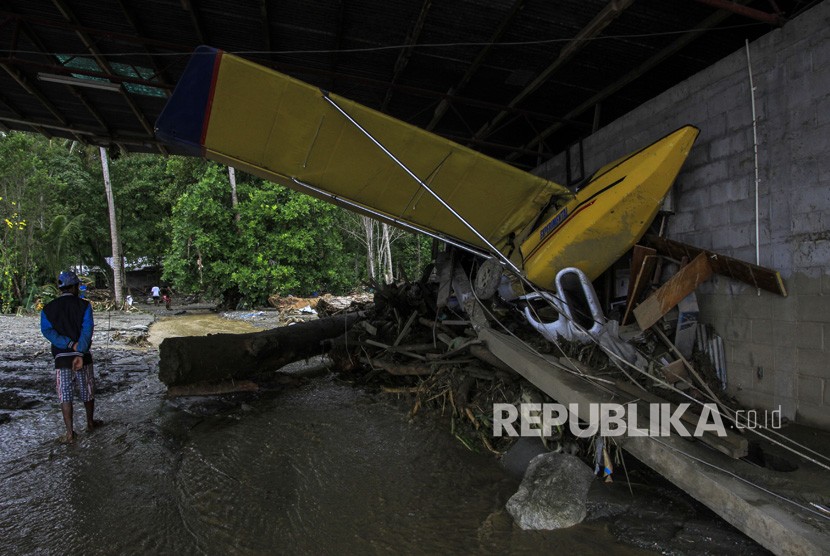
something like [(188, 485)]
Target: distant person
[(166, 299), (156, 293), (67, 323)]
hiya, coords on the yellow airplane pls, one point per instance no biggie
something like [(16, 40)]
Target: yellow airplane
[(253, 118)]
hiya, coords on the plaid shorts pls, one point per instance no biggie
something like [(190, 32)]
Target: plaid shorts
[(65, 378)]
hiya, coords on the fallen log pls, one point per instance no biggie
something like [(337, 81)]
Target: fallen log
[(219, 357)]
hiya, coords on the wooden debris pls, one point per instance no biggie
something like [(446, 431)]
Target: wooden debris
[(397, 368), (406, 328), (643, 264), (675, 371), (702, 383), (748, 273), (485, 355), (399, 389), (676, 288)]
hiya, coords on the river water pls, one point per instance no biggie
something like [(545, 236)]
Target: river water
[(319, 467)]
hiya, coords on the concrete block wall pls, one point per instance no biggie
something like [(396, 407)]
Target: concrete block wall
[(778, 348)]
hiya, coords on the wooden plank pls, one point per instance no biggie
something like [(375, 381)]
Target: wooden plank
[(406, 328), (637, 286), (402, 369), (748, 273), (638, 256), (676, 288)]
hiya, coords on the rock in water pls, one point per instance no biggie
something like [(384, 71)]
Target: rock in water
[(552, 494)]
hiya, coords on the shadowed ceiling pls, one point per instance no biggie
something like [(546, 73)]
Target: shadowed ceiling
[(518, 80)]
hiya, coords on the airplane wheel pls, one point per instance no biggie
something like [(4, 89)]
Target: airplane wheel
[(488, 278)]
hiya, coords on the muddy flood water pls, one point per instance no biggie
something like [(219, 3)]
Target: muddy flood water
[(317, 467)]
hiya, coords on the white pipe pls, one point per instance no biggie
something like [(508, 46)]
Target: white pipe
[(755, 148)]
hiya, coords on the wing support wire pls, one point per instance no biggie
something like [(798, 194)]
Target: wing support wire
[(336, 199), (494, 252)]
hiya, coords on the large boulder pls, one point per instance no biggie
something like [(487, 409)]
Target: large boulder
[(552, 494)]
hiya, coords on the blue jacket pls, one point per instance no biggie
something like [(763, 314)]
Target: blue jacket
[(66, 320)]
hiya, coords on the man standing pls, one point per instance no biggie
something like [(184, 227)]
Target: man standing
[(155, 291), (67, 323)]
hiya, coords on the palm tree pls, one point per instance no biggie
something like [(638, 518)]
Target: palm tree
[(117, 259)]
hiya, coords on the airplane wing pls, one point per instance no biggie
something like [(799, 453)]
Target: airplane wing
[(256, 119)]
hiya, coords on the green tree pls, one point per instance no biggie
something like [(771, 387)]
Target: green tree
[(284, 242), (39, 179), (202, 237)]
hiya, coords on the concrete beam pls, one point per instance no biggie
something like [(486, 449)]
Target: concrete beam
[(712, 478)]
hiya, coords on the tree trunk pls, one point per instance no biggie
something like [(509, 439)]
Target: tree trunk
[(386, 246), (369, 233), (234, 198), (218, 357), (117, 259)]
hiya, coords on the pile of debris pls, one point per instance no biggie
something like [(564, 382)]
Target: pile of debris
[(423, 340), (299, 309), (408, 348)]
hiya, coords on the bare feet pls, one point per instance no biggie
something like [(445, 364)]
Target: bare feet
[(67, 439), (94, 424)]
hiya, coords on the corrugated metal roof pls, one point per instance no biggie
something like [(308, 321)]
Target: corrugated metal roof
[(426, 62)]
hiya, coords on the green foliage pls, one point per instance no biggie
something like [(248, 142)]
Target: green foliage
[(38, 180), (284, 242), (289, 244), (202, 236), (176, 212), (411, 253), (145, 189)]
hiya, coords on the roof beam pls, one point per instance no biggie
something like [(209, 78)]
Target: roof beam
[(128, 14), (644, 68), (190, 7), (35, 92), (338, 42), (65, 70), (609, 13), (406, 53), (91, 109), (775, 19), (89, 135), (38, 43), (88, 42), (266, 26), (442, 107), (118, 37), (19, 118), (104, 64)]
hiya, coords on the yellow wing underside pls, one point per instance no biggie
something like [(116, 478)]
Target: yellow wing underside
[(283, 129)]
